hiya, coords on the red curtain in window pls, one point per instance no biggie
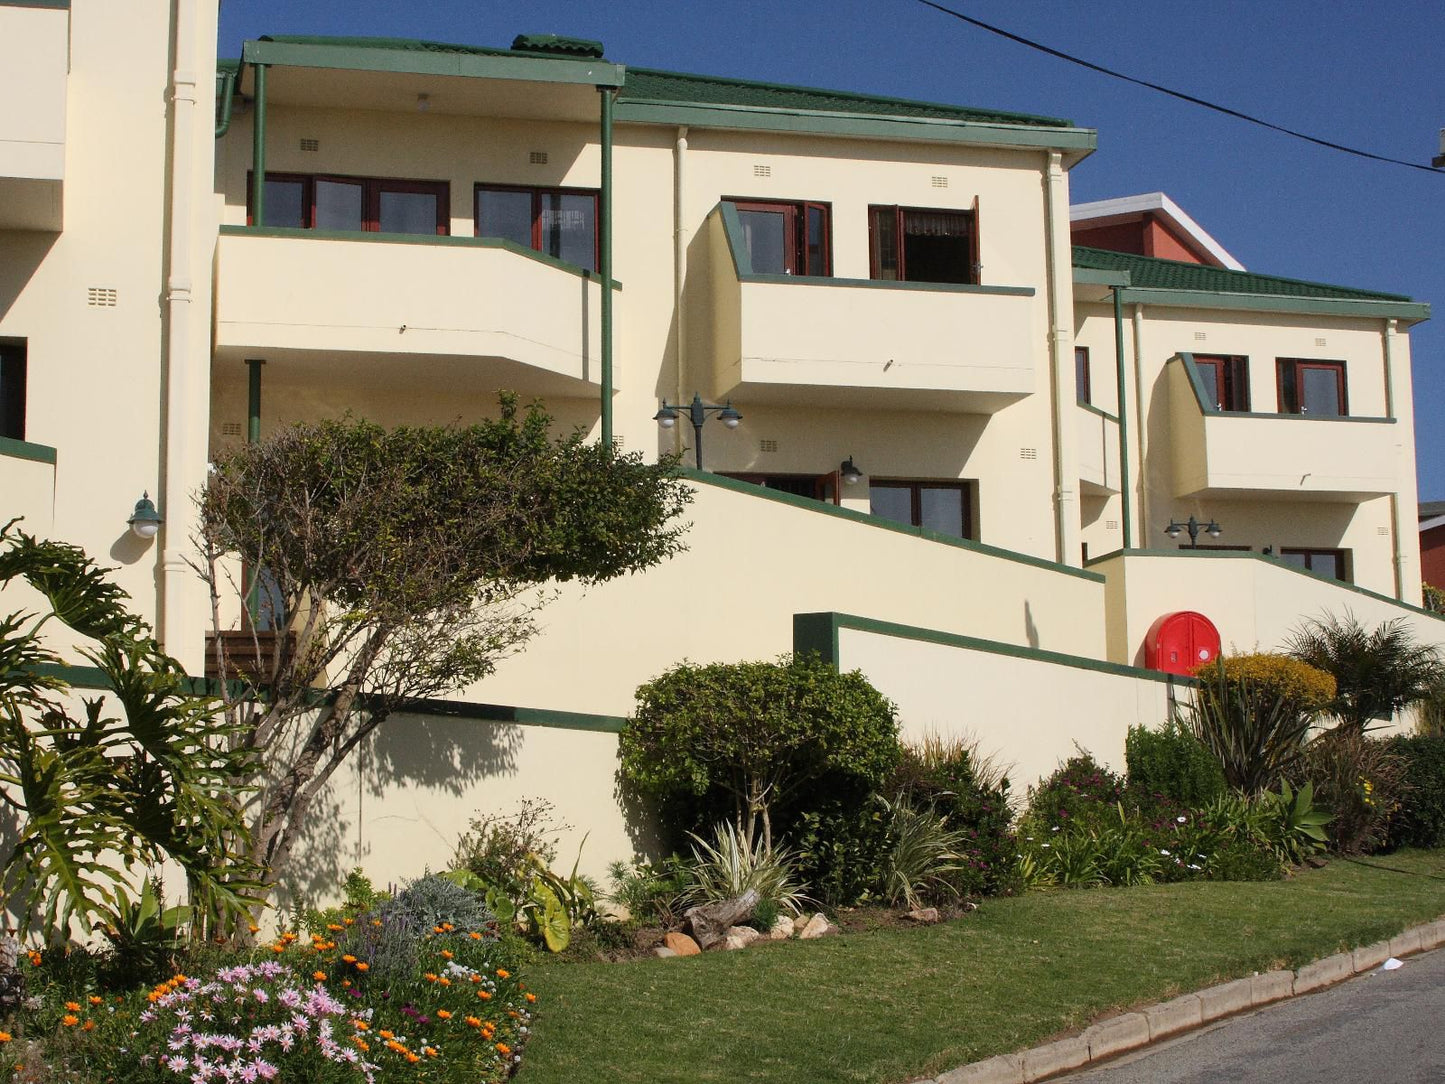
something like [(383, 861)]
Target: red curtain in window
[(936, 223)]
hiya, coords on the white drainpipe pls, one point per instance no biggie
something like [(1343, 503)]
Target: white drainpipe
[(1061, 337), (679, 269)]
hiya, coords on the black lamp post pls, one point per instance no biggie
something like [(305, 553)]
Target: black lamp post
[(1212, 529), (697, 412)]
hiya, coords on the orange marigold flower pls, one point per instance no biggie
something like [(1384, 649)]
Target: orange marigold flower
[(475, 936), (35, 958), (361, 1025), (178, 978), (485, 995), (70, 1020), (335, 926), (429, 1051), (447, 953), (360, 1043), (278, 948), (5, 1036), (386, 1034), (254, 928), (448, 927), (362, 966), (430, 976), (411, 1058), (503, 1049), (476, 978), (444, 981), (94, 1000), (348, 959), (472, 1021), (319, 976), (349, 921), (436, 929), (288, 937), (392, 1044), (442, 1014), (89, 1025), (503, 973), (72, 1006), (376, 922), (531, 997)]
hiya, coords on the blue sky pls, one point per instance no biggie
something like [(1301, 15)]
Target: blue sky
[(1363, 75)]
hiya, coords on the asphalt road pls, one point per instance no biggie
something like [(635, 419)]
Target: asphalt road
[(1386, 1026)]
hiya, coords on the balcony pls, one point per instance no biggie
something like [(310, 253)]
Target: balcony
[(27, 478), (855, 342), (457, 306), (34, 64), (1274, 456), (1098, 435)]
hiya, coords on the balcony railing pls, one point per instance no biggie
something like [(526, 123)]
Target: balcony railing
[(846, 342), (1274, 456), (34, 64), (1098, 436)]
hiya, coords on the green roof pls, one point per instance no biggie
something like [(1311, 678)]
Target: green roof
[(652, 85), (1151, 273)]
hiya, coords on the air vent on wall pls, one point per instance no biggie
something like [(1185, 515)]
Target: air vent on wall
[(762, 171), (1028, 453), (537, 158), (1382, 531), (311, 144), (767, 446), (1199, 336), (939, 182), (1111, 524), (1320, 342), (231, 429), (103, 297), (617, 444)]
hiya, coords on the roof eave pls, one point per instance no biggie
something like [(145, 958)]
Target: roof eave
[(1406, 312), (522, 67)]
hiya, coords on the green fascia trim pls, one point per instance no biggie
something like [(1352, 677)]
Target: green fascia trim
[(58, 5), (742, 265), (93, 677), (1101, 278), (357, 57), (878, 523), (499, 713), (1201, 397), (24, 449), (413, 239), (1092, 409), (1273, 562), (1310, 306), (811, 629), (853, 126)]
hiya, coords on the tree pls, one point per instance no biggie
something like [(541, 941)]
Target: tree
[(403, 564), (1376, 672), (97, 795), (750, 736)]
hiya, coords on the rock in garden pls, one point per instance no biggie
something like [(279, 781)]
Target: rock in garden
[(709, 922), (646, 937), (681, 944), (924, 916), (663, 951), (782, 929), (817, 926), (743, 935)]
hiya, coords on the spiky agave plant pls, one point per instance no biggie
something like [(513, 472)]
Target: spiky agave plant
[(728, 867)]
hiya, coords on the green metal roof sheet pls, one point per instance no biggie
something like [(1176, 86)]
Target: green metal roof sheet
[(653, 85), (1152, 273)]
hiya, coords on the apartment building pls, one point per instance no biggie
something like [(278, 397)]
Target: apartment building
[(958, 436)]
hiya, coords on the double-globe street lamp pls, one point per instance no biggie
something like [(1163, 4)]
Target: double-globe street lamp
[(697, 412), (1212, 529)]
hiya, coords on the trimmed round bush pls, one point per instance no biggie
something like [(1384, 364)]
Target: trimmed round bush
[(1419, 819)]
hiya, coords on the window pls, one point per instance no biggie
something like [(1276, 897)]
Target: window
[(821, 487), (786, 238), (356, 204), (939, 506), (559, 222), (1322, 562), (908, 244), (1225, 379), (1312, 387), (12, 390), (1081, 374)]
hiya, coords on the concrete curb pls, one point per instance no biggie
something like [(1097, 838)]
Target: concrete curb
[(1130, 1031)]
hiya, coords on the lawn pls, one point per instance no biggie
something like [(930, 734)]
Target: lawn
[(895, 1004)]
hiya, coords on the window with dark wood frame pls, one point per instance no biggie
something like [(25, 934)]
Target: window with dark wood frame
[(1332, 563), (1307, 386), (819, 487), (358, 204), (944, 507), (920, 244), (787, 237), (558, 222), (1081, 374), (1226, 379), (12, 390)]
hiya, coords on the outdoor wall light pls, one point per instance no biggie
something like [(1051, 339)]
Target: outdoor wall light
[(850, 473), (697, 412), (145, 521), (423, 102), (1193, 526)]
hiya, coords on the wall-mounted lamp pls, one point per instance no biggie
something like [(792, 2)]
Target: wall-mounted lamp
[(1212, 529), (697, 412), (145, 521), (850, 473), (423, 102)]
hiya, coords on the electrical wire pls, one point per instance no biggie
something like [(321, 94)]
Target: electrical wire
[(1175, 93)]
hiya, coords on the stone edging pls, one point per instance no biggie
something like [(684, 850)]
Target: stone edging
[(1121, 1034)]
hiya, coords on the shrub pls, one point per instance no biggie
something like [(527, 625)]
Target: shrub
[(1377, 672), (1173, 763), (1360, 781), (970, 791), (748, 742), (389, 936), (923, 854), (1419, 820), (1080, 788), (728, 867), (840, 847), (503, 851), (1253, 713), (651, 892)]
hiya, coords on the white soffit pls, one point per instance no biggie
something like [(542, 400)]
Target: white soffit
[(1100, 212)]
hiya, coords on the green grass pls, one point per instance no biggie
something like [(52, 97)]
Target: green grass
[(895, 1004)]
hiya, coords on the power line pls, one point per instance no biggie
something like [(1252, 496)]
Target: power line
[(1175, 93)]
